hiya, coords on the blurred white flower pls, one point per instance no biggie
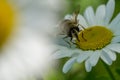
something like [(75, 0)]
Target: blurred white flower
[(25, 54), (100, 39)]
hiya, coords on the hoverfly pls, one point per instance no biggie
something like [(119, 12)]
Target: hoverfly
[(70, 27)]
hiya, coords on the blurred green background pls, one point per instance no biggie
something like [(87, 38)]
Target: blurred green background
[(99, 72)]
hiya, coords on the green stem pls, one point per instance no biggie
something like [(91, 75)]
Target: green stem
[(109, 71)]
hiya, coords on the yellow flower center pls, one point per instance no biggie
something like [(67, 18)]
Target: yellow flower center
[(6, 20), (94, 38)]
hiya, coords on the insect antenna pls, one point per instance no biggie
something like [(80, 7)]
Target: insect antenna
[(75, 15)]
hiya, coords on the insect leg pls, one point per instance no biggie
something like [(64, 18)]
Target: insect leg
[(81, 26), (76, 34), (65, 37), (83, 36), (67, 41)]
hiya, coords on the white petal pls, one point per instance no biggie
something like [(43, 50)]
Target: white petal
[(82, 57), (66, 52), (114, 47), (94, 58), (62, 42), (117, 31), (116, 39), (100, 15), (88, 66), (115, 22), (62, 53), (109, 11), (90, 16), (68, 17), (104, 56), (82, 21), (76, 50), (69, 64), (110, 53)]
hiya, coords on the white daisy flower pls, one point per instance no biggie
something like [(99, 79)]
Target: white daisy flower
[(24, 50), (99, 40)]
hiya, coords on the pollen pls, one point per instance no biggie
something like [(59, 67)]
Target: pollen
[(6, 20), (94, 38)]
